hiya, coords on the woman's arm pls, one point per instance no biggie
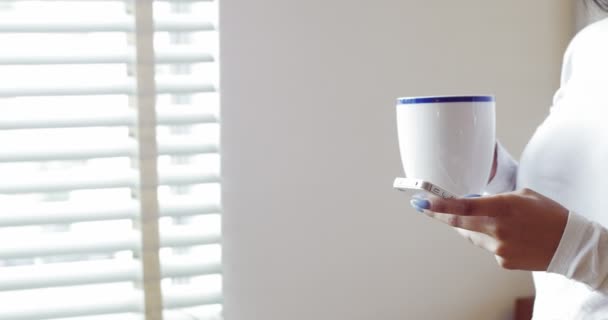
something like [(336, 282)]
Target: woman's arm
[(582, 254), (528, 231)]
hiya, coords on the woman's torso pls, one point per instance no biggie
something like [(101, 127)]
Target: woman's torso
[(567, 160)]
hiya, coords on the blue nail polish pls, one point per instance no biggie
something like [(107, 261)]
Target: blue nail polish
[(472, 196), (416, 207), (420, 204)]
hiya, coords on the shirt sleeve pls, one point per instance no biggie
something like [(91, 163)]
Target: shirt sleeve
[(580, 254), (506, 172)]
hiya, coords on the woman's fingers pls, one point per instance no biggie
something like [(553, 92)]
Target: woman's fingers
[(481, 224), (490, 206), (521, 228), (481, 240)]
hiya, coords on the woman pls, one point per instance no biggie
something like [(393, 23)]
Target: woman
[(556, 222)]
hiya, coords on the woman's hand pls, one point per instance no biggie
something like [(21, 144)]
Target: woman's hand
[(522, 229)]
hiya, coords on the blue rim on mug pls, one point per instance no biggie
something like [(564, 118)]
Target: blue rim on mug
[(444, 99)]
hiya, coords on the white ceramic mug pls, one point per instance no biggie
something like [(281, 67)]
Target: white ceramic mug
[(448, 140)]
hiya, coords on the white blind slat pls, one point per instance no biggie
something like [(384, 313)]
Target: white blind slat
[(121, 302), (116, 24), (125, 149), (171, 115), (170, 1), (173, 1), (73, 243), (91, 180), (162, 57), (173, 86), (92, 272), (181, 298), (57, 213)]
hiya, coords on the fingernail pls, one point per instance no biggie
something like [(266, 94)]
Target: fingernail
[(472, 196), (420, 204), (420, 196), (416, 207)]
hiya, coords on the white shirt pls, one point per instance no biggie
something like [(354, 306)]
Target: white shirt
[(567, 161)]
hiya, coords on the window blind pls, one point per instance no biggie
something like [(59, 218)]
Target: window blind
[(109, 160)]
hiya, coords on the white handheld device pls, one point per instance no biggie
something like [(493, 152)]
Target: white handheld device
[(404, 184)]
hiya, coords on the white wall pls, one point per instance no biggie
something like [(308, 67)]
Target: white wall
[(312, 227)]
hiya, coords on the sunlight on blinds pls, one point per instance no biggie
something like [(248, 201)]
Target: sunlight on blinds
[(69, 210)]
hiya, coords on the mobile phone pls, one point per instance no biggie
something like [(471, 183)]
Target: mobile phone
[(405, 184)]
